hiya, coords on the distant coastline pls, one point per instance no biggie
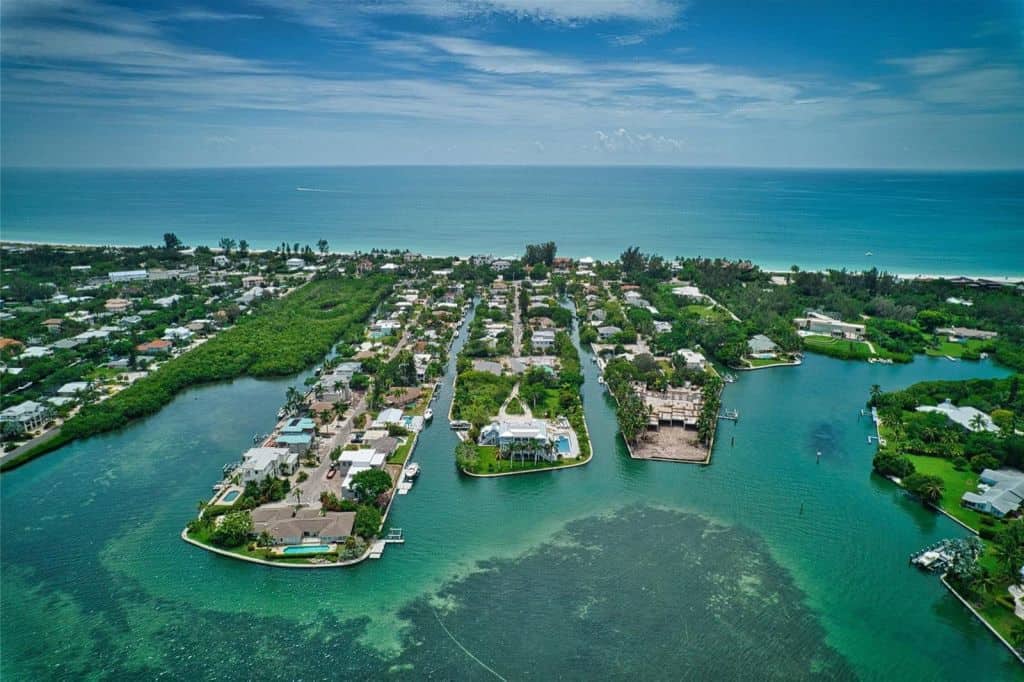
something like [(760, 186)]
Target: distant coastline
[(1008, 279)]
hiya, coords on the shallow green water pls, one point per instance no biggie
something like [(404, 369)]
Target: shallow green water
[(618, 568)]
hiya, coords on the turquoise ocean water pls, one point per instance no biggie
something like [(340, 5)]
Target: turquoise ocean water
[(950, 223)]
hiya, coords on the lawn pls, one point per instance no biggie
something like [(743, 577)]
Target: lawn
[(706, 311), (957, 350), (839, 348), (957, 483), (488, 462), (399, 455)]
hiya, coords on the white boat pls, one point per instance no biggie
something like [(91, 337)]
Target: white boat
[(600, 380), (868, 253), (412, 471), (428, 414)]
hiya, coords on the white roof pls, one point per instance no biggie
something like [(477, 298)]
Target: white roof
[(364, 458), (73, 387), (258, 459), (26, 408), (964, 416)]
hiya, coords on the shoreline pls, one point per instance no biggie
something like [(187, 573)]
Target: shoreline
[(1005, 279)]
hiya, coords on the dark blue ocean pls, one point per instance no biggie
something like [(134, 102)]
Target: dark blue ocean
[(950, 223)]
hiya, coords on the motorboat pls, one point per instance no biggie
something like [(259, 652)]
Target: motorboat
[(428, 415), (412, 471)]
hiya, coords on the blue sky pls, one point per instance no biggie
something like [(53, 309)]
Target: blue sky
[(873, 84)]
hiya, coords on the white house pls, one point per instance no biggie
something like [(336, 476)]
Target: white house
[(966, 417), (819, 323), (694, 360), (688, 291), (999, 492), (543, 339), (608, 332), (73, 388), (167, 301), (28, 415), (177, 334), (221, 261), (525, 437), (295, 263), (126, 275), (258, 463)]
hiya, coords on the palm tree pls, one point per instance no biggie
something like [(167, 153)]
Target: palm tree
[(977, 422), (322, 245), (931, 491), (226, 243), (876, 391), (1017, 637), (297, 494)]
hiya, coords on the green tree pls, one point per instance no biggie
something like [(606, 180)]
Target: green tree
[(233, 530), (370, 483), (322, 246), (171, 241), (227, 244), (243, 247), (367, 521)]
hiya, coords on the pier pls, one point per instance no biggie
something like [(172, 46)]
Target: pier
[(731, 415)]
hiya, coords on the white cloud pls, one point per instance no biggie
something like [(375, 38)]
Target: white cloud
[(622, 141), (936, 63)]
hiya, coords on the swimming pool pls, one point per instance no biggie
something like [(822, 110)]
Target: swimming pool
[(564, 446), (231, 496), (306, 549)]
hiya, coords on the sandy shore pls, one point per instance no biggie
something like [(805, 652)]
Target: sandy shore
[(1006, 279)]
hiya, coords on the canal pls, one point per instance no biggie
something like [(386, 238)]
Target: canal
[(768, 563)]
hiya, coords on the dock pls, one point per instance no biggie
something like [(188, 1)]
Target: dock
[(731, 415), (394, 536)]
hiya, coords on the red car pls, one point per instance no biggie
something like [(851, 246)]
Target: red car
[(331, 472)]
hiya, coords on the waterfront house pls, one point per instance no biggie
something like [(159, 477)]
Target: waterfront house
[(966, 417), (761, 347), (608, 332), (694, 360), (826, 325), (522, 437), (259, 463), (287, 527), (1000, 492), (961, 334), (295, 263), (500, 265), (28, 416), (298, 443)]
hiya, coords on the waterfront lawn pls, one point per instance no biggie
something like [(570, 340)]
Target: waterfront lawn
[(488, 462), (402, 451), (838, 348), (956, 484), (971, 348)]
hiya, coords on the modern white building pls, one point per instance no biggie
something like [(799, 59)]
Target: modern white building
[(258, 463), (295, 263), (526, 437), (28, 415), (819, 323)]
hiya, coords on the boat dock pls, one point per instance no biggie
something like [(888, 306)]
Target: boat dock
[(394, 536), (731, 415)]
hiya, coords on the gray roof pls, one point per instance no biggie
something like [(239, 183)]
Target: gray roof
[(759, 343)]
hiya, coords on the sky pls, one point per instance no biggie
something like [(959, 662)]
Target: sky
[(937, 84)]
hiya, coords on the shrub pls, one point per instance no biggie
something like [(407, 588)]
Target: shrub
[(302, 477), (368, 521), (960, 463), (892, 464), (981, 462)]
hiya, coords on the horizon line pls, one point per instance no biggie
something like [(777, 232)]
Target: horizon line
[(860, 169)]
